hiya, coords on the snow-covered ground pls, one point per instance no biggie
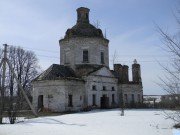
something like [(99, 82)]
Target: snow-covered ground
[(96, 122)]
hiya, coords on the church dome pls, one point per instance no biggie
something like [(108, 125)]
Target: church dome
[(83, 28)]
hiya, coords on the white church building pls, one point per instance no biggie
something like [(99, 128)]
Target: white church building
[(83, 79)]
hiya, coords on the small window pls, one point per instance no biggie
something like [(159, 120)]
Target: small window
[(104, 87), (94, 87), (50, 96), (113, 88), (85, 56), (102, 57), (104, 95), (70, 103)]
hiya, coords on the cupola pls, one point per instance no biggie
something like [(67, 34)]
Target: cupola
[(83, 28), (82, 15)]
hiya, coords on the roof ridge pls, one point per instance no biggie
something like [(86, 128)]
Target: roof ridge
[(45, 72)]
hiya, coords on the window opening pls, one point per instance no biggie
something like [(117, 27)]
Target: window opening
[(102, 57), (70, 103), (85, 56)]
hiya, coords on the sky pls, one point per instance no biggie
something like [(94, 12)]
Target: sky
[(130, 25)]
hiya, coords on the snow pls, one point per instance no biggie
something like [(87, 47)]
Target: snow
[(96, 122)]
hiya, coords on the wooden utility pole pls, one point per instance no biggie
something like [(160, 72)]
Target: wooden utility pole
[(3, 62)]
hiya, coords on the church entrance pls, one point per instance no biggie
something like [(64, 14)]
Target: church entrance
[(104, 102), (40, 103)]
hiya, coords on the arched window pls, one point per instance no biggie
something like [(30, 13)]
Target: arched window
[(85, 56), (102, 57)]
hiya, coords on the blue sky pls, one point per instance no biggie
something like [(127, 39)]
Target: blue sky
[(37, 25)]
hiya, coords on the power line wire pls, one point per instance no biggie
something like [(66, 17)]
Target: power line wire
[(36, 49), (48, 56), (124, 55), (121, 55), (146, 55)]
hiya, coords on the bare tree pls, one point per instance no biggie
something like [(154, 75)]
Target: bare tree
[(171, 80), (25, 67)]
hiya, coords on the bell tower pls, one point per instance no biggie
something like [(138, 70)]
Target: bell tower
[(136, 72), (84, 44)]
